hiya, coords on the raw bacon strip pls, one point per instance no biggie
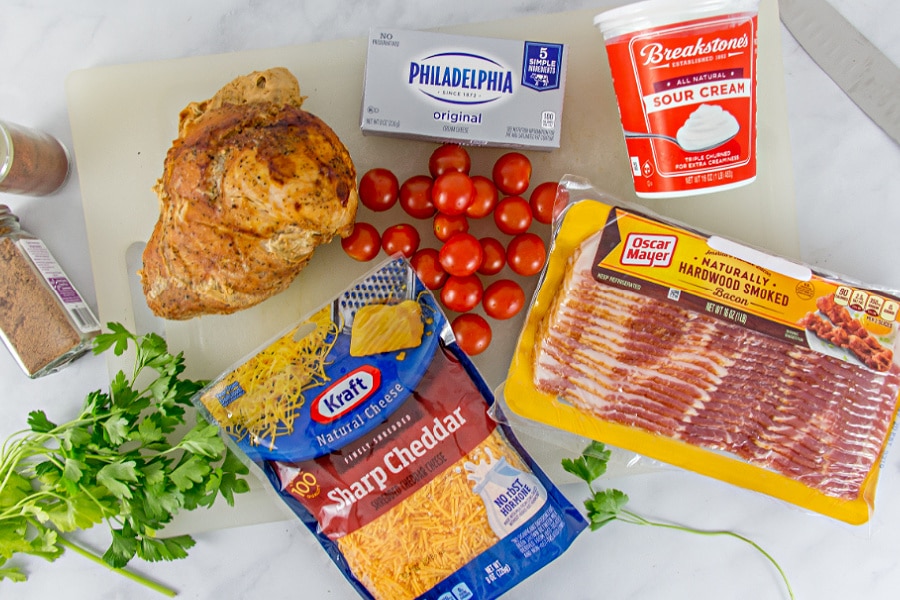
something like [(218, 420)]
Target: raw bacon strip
[(630, 359)]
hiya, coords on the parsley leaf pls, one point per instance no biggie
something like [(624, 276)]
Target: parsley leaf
[(228, 477), (122, 549), (606, 506), (128, 459), (39, 423), (203, 440), (191, 471), (591, 464), (172, 548), (116, 477)]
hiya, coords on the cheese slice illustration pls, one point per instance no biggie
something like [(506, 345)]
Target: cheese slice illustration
[(386, 327)]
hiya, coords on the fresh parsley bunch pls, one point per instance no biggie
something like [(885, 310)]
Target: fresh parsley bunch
[(607, 505), (129, 459)]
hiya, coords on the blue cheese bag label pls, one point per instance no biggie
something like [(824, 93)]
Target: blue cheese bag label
[(464, 89)]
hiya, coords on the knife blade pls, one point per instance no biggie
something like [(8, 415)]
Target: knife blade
[(862, 71)]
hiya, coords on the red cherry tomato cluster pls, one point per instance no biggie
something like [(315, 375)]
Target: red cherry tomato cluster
[(450, 198)]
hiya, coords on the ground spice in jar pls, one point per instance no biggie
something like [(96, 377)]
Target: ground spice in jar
[(38, 327), (32, 162)]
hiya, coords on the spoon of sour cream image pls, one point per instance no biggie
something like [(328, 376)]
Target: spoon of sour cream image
[(708, 127)]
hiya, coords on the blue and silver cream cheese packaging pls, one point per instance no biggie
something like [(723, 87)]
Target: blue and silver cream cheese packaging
[(470, 90)]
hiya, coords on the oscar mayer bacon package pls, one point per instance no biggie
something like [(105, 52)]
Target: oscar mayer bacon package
[(710, 355), (373, 427)]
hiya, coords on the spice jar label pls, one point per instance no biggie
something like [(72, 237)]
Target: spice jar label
[(56, 278)]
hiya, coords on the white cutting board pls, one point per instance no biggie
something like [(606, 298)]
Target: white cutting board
[(124, 118)]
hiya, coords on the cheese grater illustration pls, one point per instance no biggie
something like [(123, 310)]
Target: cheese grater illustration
[(393, 283)]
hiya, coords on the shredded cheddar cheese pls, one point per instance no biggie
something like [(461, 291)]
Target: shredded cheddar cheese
[(430, 535), (272, 383)]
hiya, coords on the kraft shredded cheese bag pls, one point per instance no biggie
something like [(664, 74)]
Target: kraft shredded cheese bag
[(710, 355), (373, 426)]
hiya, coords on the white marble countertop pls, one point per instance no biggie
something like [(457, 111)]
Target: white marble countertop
[(847, 211)]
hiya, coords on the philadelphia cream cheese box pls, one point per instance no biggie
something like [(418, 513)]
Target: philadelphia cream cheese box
[(470, 90)]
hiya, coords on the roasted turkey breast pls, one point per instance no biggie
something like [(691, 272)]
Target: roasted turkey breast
[(251, 186)]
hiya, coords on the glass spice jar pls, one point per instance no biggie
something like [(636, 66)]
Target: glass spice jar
[(32, 162), (43, 320)]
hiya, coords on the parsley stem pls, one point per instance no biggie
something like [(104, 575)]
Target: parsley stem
[(132, 576), (627, 516), (605, 506)]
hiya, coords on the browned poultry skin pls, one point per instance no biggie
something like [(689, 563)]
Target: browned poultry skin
[(247, 193)]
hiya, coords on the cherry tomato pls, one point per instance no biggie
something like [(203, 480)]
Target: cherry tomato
[(512, 173), (503, 299), (363, 243), (462, 293), (428, 268), (449, 157), (526, 254), (415, 197), (447, 225), (513, 215), (402, 238), (486, 197), (494, 256), (452, 193), (472, 332), (378, 189), (462, 254), (542, 199)]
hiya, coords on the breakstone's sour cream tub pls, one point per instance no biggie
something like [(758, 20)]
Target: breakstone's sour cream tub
[(684, 73)]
